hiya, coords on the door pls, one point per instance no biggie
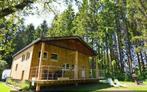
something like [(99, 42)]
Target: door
[(22, 75)]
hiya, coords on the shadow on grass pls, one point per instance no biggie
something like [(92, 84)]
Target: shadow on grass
[(73, 88)]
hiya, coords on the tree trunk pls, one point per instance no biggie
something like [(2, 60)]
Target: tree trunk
[(139, 64), (142, 61)]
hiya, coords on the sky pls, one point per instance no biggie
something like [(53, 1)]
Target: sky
[(41, 13)]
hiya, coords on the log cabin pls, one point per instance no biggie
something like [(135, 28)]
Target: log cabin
[(57, 60)]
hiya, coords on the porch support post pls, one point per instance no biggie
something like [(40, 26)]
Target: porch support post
[(97, 70), (76, 66), (39, 67)]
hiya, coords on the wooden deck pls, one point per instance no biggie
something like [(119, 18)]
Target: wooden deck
[(65, 82)]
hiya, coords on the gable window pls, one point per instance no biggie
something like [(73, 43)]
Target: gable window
[(28, 55), (23, 57), (16, 67), (45, 55), (54, 56)]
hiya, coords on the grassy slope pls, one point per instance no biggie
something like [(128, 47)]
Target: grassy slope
[(4, 88), (90, 87), (130, 86)]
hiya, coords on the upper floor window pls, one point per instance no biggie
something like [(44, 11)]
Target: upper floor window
[(28, 55), (45, 55), (54, 56), (23, 57)]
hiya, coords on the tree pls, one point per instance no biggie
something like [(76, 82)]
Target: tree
[(3, 65), (41, 30), (10, 6), (63, 24), (7, 34)]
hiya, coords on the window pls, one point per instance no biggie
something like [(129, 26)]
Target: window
[(22, 75), (16, 67), (23, 57), (45, 55), (28, 55), (54, 56), (66, 66), (72, 66)]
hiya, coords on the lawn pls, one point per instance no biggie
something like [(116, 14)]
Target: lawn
[(4, 88), (130, 86)]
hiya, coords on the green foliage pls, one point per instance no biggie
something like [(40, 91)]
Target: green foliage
[(62, 24), (3, 65), (24, 85), (109, 27), (7, 33)]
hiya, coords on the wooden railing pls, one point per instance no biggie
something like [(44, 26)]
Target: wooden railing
[(59, 73)]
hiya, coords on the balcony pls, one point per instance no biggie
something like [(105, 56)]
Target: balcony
[(48, 72)]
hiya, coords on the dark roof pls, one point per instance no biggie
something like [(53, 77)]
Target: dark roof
[(56, 38)]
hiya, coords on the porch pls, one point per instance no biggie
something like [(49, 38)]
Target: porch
[(56, 75), (49, 72)]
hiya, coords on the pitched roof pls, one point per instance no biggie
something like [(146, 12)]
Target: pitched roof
[(49, 39)]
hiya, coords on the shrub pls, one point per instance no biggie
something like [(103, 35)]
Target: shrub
[(10, 81), (24, 85)]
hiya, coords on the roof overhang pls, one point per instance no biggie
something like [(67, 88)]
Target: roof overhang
[(49, 39)]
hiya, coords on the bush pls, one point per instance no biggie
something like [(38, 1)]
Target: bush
[(10, 81), (24, 85)]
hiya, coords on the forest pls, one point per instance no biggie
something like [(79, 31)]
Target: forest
[(115, 29)]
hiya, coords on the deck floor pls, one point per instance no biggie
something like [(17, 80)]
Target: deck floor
[(64, 82)]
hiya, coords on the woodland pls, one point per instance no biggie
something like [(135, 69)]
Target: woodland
[(115, 29)]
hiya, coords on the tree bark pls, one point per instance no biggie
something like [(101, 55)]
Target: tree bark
[(139, 64)]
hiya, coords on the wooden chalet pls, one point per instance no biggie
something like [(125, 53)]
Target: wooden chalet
[(58, 60)]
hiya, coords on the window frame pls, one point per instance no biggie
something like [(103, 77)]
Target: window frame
[(52, 59), (47, 55), (23, 57), (43, 55), (28, 55), (65, 66)]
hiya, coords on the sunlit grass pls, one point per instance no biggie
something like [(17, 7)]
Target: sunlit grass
[(130, 86), (4, 88)]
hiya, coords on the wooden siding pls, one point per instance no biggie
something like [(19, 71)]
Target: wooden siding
[(65, 56)]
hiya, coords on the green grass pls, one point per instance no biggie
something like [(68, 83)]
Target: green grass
[(4, 88), (130, 86)]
